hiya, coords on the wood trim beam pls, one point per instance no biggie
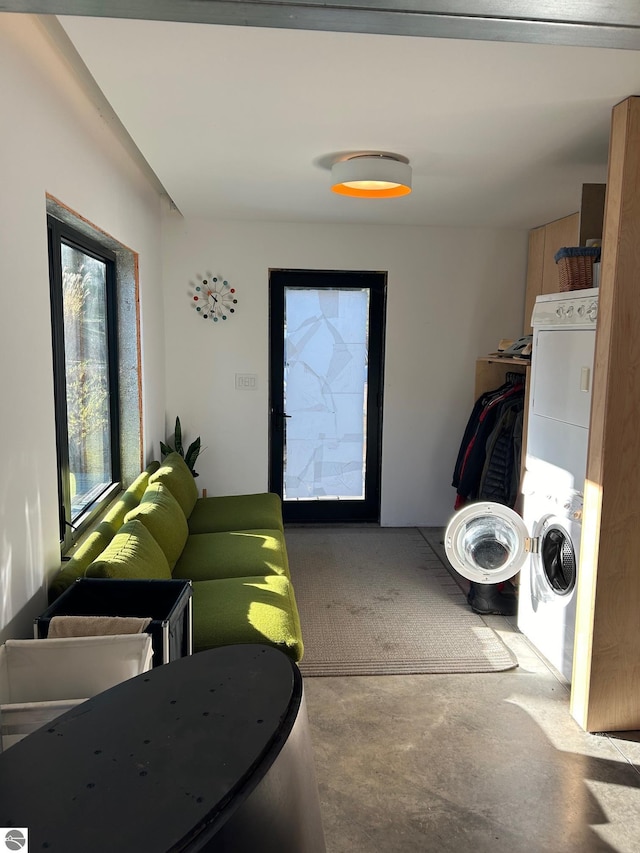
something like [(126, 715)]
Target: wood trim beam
[(605, 693)]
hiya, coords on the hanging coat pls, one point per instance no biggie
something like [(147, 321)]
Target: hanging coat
[(500, 477), (472, 455)]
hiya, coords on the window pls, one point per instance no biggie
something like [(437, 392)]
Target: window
[(85, 362)]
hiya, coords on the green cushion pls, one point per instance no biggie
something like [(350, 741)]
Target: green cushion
[(113, 519), (132, 553), (160, 513), (90, 548), (236, 512), (176, 476), (75, 567), (139, 484), (237, 554), (246, 610)]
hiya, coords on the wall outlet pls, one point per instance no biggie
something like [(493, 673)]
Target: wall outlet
[(246, 381)]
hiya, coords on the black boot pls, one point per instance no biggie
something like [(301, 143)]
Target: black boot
[(488, 599)]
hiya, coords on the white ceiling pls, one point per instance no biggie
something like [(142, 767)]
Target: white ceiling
[(243, 122)]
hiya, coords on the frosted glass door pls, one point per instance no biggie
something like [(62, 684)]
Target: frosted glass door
[(326, 351), (326, 334)]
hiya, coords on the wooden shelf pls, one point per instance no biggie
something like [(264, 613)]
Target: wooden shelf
[(491, 371)]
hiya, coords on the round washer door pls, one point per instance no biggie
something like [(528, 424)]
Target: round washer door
[(554, 567), (486, 542)]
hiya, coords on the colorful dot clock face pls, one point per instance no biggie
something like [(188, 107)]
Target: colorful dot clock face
[(215, 299)]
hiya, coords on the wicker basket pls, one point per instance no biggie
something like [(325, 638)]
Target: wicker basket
[(575, 266)]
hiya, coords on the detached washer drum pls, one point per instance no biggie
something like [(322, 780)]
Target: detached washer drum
[(486, 542)]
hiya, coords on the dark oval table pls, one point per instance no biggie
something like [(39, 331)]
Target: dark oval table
[(208, 753)]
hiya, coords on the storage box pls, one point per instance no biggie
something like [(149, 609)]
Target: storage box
[(575, 266), (41, 679), (167, 603)]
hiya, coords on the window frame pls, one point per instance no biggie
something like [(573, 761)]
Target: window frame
[(59, 232)]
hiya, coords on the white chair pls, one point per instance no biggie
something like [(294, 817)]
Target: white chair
[(41, 679)]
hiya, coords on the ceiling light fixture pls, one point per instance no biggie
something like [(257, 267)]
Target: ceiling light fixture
[(372, 176)]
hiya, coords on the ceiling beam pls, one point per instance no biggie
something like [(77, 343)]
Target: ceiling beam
[(585, 23)]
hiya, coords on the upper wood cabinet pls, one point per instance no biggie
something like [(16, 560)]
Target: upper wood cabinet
[(542, 274), (544, 242)]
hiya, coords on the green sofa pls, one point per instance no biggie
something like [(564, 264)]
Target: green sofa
[(232, 548)]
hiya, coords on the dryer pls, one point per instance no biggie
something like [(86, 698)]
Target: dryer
[(488, 543)]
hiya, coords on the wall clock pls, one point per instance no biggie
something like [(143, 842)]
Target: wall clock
[(215, 299)]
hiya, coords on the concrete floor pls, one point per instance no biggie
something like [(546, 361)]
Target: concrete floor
[(488, 762)]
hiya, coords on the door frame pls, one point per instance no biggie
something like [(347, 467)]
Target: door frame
[(312, 511)]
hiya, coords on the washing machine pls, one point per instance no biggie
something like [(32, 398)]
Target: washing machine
[(487, 542)]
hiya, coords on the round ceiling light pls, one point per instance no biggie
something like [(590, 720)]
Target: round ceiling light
[(371, 176)]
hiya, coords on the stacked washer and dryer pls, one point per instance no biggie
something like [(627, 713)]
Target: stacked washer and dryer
[(488, 542)]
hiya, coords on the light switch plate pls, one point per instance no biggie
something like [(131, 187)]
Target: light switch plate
[(246, 381)]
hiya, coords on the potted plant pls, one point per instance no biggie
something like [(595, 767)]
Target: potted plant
[(193, 451)]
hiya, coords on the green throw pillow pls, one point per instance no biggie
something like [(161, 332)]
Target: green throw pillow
[(114, 517), (176, 476), (74, 568), (139, 485), (161, 514), (90, 548), (132, 553)]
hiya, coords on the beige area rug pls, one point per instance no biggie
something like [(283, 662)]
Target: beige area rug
[(378, 601)]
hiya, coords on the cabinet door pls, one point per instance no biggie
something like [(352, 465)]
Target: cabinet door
[(562, 232), (542, 271), (535, 268)]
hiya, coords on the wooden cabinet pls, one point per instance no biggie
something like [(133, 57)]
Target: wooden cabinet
[(542, 273), (544, 242), (535, 269), (562, 232), (592, 212)]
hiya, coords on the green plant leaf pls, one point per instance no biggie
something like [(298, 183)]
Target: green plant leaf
[(178, 438), (192, 453), (165, 449)]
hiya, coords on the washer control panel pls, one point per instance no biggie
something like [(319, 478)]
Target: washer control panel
[(577, 308)]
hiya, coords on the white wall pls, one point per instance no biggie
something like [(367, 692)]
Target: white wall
[(452, 295), (53, 140)]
